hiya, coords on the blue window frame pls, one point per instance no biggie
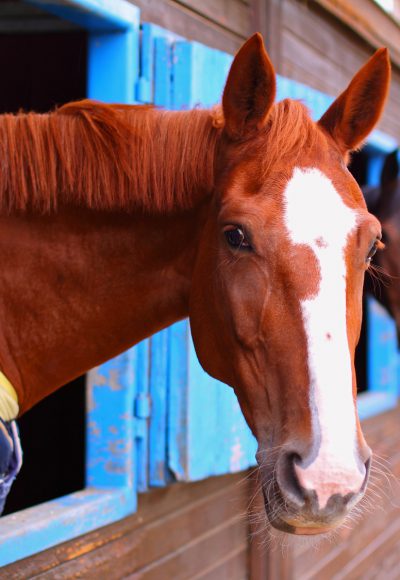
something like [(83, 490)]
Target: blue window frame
[(110, 492)]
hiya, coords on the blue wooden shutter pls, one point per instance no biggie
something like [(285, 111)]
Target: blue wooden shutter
[(196, 428), (206, 433)]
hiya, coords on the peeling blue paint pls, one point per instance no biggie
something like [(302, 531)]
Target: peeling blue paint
[(382, 362)]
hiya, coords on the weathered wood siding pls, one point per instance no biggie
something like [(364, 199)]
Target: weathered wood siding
[(314, 47), (321, 43), (199, 531), (222, 24), (185, 531)]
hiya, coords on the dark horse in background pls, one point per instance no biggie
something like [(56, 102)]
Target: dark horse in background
[(384, 203)]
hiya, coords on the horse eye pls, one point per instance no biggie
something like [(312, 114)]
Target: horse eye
[(373, 250), (236, 238)]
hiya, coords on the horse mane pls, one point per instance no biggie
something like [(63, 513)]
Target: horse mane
[(290, 132), (105, 157), (111, 157)]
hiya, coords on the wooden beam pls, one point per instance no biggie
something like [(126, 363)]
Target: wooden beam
[(369, 21)]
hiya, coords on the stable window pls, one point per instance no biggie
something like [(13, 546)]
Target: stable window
[(41, 71), (103, 41)]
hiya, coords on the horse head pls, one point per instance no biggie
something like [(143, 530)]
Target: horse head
[(276, 299)]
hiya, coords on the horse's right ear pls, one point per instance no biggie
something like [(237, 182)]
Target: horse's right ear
[(356, 111), (250, 89)]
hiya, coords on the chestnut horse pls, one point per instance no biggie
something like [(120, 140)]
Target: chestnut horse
[(117, 221), (384, 203)]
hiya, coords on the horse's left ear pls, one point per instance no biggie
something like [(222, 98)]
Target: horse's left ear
[(250, 89), (357, 110)]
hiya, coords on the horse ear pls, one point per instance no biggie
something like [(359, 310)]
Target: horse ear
[(357, 110), (250, 89)]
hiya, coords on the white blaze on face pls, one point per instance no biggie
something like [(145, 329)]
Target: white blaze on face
[(315, 215)]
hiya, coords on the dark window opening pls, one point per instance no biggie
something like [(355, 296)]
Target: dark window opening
[(359, 169), (361, 355), (53, 442), (41, 71)]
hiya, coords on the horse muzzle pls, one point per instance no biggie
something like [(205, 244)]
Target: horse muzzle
[(308, 503)]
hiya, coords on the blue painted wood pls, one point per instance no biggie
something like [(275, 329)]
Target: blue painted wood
[(207, 434), (141, 410), (178, 395), (376, 159), (194, 62), (110, 447), (382, 349), (35, 529), (159, 474), (163, 73), (154, 86), (371, 404), (110, 78), (382, 362), (154, 81)]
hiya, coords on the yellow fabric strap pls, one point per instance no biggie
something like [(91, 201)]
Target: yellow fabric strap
[(8, 399)]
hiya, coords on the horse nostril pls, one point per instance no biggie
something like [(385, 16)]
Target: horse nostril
[(312, 489), (287, 478), (367, 465)]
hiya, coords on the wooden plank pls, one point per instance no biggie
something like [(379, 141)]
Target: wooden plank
[(317, 49), (302, 64), (233, 566), (326, 37), (191, 25), (369, 21), (230, 14), (107, 545), (196, 555)]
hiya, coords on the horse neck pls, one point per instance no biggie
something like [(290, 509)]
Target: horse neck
[(80, 286)]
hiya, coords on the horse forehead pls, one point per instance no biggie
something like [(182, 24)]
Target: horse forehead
[(314, 211)]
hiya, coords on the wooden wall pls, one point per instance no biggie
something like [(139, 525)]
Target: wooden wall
[(313, 46), (185, 531), (222, 24), (199, 531)]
